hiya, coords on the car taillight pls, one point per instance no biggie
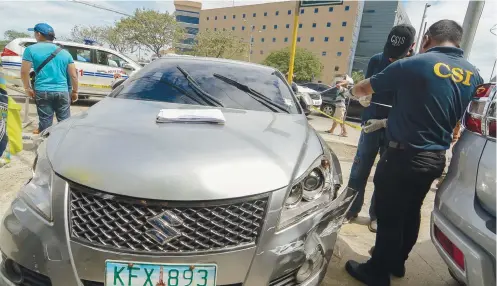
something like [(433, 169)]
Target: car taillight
[(480, 114), (8, 53), (449, 247)]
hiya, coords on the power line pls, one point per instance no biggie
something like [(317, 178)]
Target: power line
[(101, 7)]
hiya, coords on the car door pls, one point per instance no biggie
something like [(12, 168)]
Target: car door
[(109, 68), (85, 68)]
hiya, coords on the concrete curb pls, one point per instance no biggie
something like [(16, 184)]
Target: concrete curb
[(340, 142)]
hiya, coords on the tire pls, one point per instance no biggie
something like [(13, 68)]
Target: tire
[(328, 109)]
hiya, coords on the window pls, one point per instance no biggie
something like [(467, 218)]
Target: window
[(262, 52), (330, 9), (289, 12), (344, 24), (302, 11), (251, 52), (312, 39), (300, 26), (277, 13), (314, 25), (339, 54), (288, 26), (215, 29), (224, 29), (207, 18), (207, 29), (264, 27), (187, 19), (234, 16), (252, 40), (364, 41), (367, 26), (275, 27), (265, 14), (347, 8), (192, 31), (233, 28), (224, 17), (316, 10), (262, 40), (337, 68), (274, 40), (243, 16), (253, 27), (369, 11), (215, 18), (298, 39), (243, 28), (326, 39), (286, 39), (328, 24), (342, 39), (79, 54), (254, 15), (323, 53), (108, 59)]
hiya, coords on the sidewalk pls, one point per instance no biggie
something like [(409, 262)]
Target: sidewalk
[(322, 124)]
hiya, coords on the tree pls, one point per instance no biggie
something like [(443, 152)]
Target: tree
[(152, 29), (119, 39), (82, 33), (219, 44), (307, 65), (10, 35), (357, 76)]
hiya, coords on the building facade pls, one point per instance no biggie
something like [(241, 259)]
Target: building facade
[(187, 15), (327, 31), (378, 18)]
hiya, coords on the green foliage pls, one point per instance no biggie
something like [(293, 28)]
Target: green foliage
[(81, 33), (118, 39), (307, 65), (357, 76), (219, 44), (152, 29), (10, 35)]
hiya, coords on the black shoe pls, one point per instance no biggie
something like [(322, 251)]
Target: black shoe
[(398, 272), (366, 274)]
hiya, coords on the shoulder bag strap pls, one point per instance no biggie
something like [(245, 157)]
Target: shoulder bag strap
[(47, 60)]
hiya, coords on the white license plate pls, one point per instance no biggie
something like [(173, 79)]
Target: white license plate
[(121, 273)]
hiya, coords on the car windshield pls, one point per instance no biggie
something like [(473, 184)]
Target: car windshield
[(161, 80)]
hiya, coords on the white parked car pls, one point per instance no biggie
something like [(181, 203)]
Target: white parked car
[(314, 95), (97, 66)]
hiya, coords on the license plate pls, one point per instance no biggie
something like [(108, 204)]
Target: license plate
[(120, 273)]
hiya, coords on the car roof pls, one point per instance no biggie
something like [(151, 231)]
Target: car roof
[(215, 60), (64, 43)]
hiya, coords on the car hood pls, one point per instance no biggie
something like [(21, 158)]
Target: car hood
[(117, 147)]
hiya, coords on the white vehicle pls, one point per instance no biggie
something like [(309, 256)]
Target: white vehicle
[(97, 66), (314, 95)]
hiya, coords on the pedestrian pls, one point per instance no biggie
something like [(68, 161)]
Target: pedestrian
[(400, 42), (432, 90), (54, 68), (4, 101), (340, 106)]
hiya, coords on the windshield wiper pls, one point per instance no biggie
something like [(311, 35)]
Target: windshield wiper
[(209, 99), (259, 97)]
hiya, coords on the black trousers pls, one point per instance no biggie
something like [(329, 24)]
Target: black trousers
[(402, 180)]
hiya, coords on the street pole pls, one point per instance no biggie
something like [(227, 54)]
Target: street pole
[(424, 29), (470, 24), (294, 41), (418, 44)]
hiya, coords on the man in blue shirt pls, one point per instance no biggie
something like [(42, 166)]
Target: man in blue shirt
[(432, 90), (398, 45), (51, 83)]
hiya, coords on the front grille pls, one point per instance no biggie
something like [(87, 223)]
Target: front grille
[(122, 223), (315, 96)]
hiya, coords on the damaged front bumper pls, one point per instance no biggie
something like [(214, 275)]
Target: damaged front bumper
[(43, 253)]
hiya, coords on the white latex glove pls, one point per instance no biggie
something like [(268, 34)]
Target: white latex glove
[(365, 100), (373, 125), (348, 94)]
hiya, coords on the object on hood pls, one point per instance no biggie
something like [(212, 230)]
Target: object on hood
[(191, 115)]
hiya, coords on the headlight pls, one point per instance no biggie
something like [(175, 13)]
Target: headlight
[(37, 193), (309, 193)]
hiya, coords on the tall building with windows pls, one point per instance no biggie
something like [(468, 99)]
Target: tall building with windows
[(378, 18), (325, 30), (187, 15)]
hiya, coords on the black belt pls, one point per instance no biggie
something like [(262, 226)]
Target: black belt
[(396, 145)]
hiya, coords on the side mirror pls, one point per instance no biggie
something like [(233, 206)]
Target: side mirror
[(117, 83), (127, 66), (294, 87)]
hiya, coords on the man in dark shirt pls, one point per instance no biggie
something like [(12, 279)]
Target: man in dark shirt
[(432, 91), (398, 45)]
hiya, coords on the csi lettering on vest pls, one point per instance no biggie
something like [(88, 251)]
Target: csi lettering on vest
[(457, 74)]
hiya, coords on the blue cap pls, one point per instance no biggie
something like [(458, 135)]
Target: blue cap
[(44, 29)]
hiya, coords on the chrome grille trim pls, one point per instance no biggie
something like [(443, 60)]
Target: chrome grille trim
[(118, 222)]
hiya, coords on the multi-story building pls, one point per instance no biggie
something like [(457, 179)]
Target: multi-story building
[(187, 15), (324, 30), (378, 18)]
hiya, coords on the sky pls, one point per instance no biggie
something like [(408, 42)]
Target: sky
[(63, 15)]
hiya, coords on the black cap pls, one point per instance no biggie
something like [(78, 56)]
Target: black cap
[(399, 41)]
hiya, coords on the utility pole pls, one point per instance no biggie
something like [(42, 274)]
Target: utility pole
[(473, 14), (294, 42), (424, 29), (418, 42)]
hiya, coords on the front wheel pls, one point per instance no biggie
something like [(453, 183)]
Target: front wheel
[(328, 109)]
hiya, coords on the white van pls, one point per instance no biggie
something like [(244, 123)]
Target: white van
[(97, 66)]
